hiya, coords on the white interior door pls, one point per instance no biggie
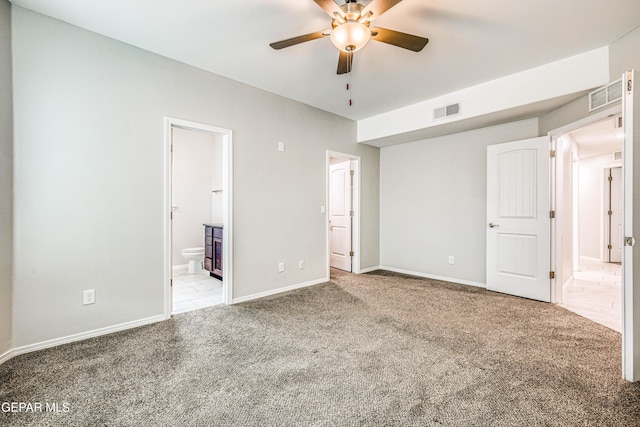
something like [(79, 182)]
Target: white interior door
[(630, 256), (518, 227), (340, 215), (615, 215)]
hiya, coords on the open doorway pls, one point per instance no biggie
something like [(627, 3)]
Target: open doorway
[(198, 234), (343, 211), (589, 198), (196, 206)]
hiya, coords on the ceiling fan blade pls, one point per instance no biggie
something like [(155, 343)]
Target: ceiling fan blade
[(330, 7), (345, 62), (378, 7), (297, 40), (396, 38)]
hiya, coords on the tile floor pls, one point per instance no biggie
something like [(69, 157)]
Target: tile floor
[(596, 293), (195, 291)]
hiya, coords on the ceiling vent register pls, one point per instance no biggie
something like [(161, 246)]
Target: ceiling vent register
[(446, 111), (605, 95)]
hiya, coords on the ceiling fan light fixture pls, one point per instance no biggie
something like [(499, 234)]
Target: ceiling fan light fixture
[(350, 36)]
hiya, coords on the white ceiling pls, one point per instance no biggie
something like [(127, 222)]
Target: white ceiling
[(471, 42), (603, 137)]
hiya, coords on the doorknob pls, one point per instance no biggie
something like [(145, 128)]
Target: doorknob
[(491, 225)]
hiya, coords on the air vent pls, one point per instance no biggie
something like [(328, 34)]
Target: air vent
[(617, 155), (605, 95), (446, 111)]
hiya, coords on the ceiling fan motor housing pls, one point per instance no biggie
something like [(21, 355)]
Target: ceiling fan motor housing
[(352, 10), (351, 32)]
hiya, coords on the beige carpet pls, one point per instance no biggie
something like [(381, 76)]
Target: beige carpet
[(375, 349)]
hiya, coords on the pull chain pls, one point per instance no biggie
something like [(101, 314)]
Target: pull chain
[(349, 59)]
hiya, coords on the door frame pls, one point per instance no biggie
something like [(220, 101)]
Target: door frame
[(630, 214), (355, 227), (556, 230), (606, 202), (227, 207)]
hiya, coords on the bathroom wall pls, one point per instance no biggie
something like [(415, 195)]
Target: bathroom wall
[(566, 216), (89, 179), (196, 164), (6, 176), (591, 204), (217, 197)]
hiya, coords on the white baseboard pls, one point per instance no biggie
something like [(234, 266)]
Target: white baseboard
[(149, 320), (83, 336), (588, 259), (179, 268), (279, 290), (569, 280), (6, 356), (369, 269), (432, 276)]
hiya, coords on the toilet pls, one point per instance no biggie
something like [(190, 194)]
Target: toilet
[(195, 256)]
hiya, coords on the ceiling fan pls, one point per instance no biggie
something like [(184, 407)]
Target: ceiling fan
[(351, 30)]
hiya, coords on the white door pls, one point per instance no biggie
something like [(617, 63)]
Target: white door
[(615, 215), (518, 224), (340, 215), (630, 256)]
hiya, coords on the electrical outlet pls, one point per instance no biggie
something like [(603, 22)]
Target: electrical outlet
[(281, 146), (88, 296), (451, 259), (301, 264), (280, 267)]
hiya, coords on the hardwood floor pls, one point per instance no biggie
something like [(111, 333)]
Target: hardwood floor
[(596, 293)]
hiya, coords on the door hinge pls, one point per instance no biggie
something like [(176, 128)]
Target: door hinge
[(351, 213), (610, 213), (352, 172), (552, 153), (552, 214), (552, 275), (609, 247), (610, 178), (171, 213), (351, 253)]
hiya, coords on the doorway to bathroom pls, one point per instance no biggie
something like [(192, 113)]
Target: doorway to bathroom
[(198, 229)]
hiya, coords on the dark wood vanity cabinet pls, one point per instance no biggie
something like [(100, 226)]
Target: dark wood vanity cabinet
[(213, 249)]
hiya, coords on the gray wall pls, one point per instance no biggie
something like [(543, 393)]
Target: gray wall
[(6, 173), (624, 55), (433, 202), (89, 174)]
